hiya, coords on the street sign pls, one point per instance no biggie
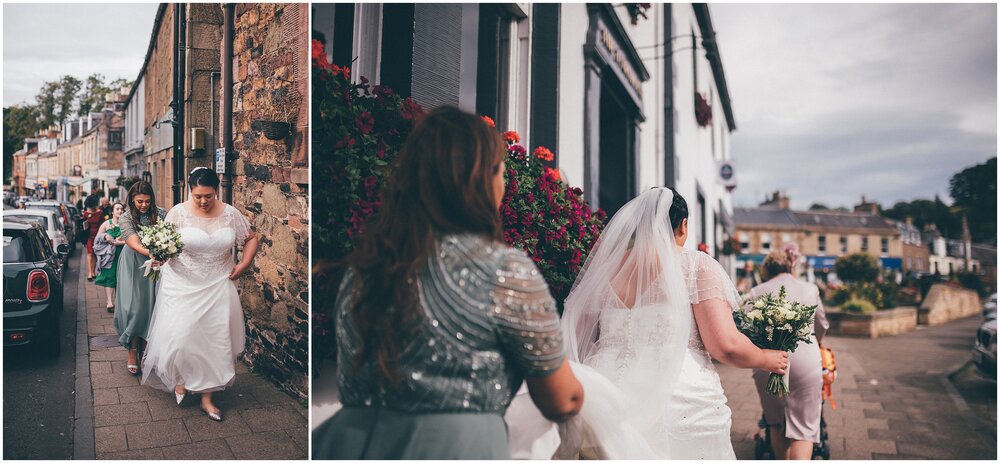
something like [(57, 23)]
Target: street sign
[(220, 161), (727, 175)]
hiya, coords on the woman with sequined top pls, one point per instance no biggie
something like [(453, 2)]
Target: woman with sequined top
[(135, 294), (438, 322)]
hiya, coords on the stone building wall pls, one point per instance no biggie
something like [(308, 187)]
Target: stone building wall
[(271, 185), (158, 88), (203, 82)]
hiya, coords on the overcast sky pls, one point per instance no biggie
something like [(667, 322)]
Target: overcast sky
[(836, 101), (42, 42)]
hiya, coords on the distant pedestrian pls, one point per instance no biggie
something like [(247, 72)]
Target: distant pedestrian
[(794, 419), (107, 246), (93, 217)]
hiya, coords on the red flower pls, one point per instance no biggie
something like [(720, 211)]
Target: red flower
[(346, 142), (544, 154), (318, 53), (365, 122), (512, 137), (489, 121), (370, 183), (553, 174), (411, 110), (703, 247), (517, 150)]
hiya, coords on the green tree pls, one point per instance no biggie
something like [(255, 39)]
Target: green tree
[(96, 91), (926, 211), (818, 207), (975, 190), (857, 267), (19, 122), (57, 99)]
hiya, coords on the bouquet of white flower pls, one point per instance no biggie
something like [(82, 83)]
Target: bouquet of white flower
[(773, 322), (163, 242)]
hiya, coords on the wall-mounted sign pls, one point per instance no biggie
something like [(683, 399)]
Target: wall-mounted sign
[(220, 161), (727, 175), (77, 171)]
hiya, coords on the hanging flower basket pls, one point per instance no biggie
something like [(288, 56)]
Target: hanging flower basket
[(702, 110), (273, 130)]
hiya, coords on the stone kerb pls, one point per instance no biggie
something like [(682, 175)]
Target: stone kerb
[(945, 302)]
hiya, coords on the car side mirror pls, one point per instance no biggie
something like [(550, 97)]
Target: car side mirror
[(62, 249)]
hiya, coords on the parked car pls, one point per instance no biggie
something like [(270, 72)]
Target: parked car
[(58, 207), (49, 221), (990, 308), (33, 289), (984, 354)]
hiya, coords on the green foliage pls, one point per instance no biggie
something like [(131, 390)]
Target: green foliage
[(975, 190), (924, 212), (858, 306), (972, 281), (884, 295), (19, 122), (857, 267)]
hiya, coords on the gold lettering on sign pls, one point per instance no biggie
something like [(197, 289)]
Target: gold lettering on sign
[(621, 60)]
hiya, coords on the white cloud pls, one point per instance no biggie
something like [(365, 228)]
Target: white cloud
[(883, 100), (42, 42)]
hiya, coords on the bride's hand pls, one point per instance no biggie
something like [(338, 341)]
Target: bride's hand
[(775, 361), (238, 270)]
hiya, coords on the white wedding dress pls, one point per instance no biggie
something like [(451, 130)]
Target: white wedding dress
[(197, 328), (650, 388)]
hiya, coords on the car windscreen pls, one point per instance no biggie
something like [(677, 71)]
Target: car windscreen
[(17, 247), (40, 220)]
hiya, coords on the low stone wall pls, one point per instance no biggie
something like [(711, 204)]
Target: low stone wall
[(882, 323), (945, 302)]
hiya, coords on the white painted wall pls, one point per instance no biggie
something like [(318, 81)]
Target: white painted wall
[(693, 144)]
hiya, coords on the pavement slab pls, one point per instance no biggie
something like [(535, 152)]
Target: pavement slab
[(135, 422), (892, 402)]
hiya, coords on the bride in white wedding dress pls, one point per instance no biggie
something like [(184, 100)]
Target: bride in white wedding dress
[(197, 329), (642, 323)]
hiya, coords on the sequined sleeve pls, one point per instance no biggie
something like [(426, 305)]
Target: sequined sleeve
[(708, 280), (526, 317), (128, 227)]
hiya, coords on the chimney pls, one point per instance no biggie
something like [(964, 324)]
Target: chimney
[(777, 200), (866, 207)]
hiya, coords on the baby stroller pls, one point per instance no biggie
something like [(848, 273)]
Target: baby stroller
[(821, 451), (762, 442)]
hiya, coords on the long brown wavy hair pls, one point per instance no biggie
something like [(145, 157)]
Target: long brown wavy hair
[(442, 183), (141, 187)]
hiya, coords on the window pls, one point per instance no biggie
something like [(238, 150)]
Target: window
[(864, 244), (765, 242), (115, 140), (843, 245), (786, 238), (885, 246), (744, 243), (821, 244), (493, 73)]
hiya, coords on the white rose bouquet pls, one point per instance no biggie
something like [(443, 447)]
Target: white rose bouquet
[(773, 322), (163, 242)]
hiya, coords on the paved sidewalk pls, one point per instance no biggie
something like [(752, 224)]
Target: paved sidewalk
[(893, 401), (139, 422)]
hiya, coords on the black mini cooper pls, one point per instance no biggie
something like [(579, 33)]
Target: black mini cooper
[(33, 289)]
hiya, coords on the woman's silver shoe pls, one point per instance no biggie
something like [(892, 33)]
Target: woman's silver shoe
[(214, 416)]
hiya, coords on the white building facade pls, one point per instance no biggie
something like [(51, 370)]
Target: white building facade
[(609, 88)]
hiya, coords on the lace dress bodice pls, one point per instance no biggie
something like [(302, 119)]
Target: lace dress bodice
[(209, 243)]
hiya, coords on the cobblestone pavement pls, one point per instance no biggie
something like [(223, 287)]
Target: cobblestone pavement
[(138, 422), (894, 398)]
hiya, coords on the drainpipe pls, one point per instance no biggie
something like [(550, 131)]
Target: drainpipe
[(227, 100), (178, 101)]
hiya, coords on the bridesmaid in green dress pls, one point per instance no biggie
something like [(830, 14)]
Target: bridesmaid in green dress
[(438, 321), (136, 293), (110, 233)]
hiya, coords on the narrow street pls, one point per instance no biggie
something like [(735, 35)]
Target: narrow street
[(896, 398), (38, 391)]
